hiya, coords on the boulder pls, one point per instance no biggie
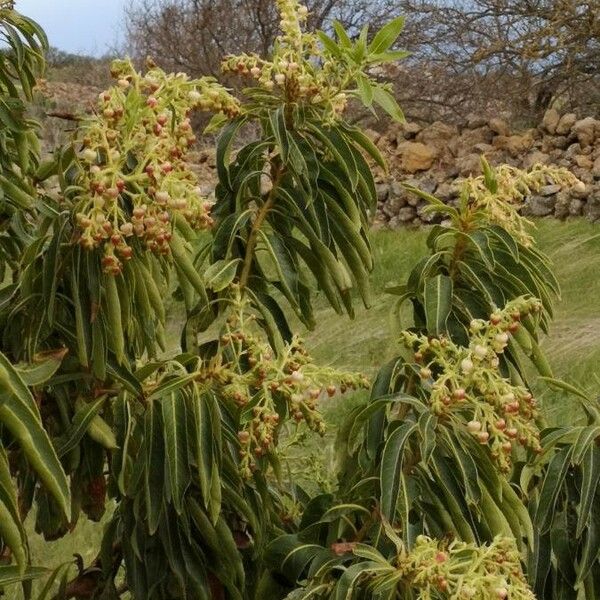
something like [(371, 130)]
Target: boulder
[(475, 121), (562, 206), (591, 210), (586, 131), (469, 165), (437, 135), (416, 156), (550, 120), (583, 161), (576, 207), (515, 145), (566, 122), (471, 137), (406, 214), (596, 168), (550, 190), (383, 191), (535, 158), (499, 126), (541, 206)]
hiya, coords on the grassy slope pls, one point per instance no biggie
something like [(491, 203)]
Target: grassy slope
[(365, 343), (573, 345)]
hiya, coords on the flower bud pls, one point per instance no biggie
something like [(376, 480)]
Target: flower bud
[(483, 437), (474, 426), (466, 365)]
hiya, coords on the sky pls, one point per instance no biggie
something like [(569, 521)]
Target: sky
[(78, 26)]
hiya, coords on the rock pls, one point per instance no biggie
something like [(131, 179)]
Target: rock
[(559, 142), (416, 156), (471, 137), (566, 122), (583, 161), (469, 165), (586, 131), (394, 203), (535, 158), (475, 121), (499, 126), (550, 120), (591, 210), (397, 189), (596, 168), (563, 203), (484, 148), (576, 207), (446, 191), (410, 130), (383, 191), (572, 151), (515, 145), (541, 206), (437, 135), (406, 214), (550, 190)]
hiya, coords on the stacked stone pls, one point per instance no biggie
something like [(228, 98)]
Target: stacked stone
[(432, 157)]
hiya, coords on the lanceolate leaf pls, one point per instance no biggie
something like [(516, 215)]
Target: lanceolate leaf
[(391, 467), (176, 451), (438, 303), (19, 412)]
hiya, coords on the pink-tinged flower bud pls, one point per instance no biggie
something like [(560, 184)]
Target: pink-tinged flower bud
[(483, 437), (152, 102), (123, 83), (280, 78), (126, 229), (255, 71), (162, 197)]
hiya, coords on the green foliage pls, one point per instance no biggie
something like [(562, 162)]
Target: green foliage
[(449, 483)]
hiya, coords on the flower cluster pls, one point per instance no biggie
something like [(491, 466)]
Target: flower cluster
[(466, 386), (300, 67), (267, 388), (465, 571), (133, 175), (501, 206)]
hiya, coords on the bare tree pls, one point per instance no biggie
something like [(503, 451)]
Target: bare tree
[(527, 53), (194, 35)]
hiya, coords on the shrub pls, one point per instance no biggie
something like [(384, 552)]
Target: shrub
[(449, 487)]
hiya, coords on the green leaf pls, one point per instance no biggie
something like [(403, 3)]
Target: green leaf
[(386, 37), (44, 367), (175, 440), (81, 422), (11, 528), (553, 482), (589, 486), (438, 303), (365, 90), (20, 414), (221, 273), (391, 467), (343, 38), (384, 98)]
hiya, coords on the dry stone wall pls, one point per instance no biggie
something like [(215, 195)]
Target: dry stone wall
[(433, 157)]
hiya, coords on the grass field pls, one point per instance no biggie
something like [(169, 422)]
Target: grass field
[(366, 342), (573, 344)]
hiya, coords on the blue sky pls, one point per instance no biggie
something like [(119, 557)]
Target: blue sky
[(78, 26)]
